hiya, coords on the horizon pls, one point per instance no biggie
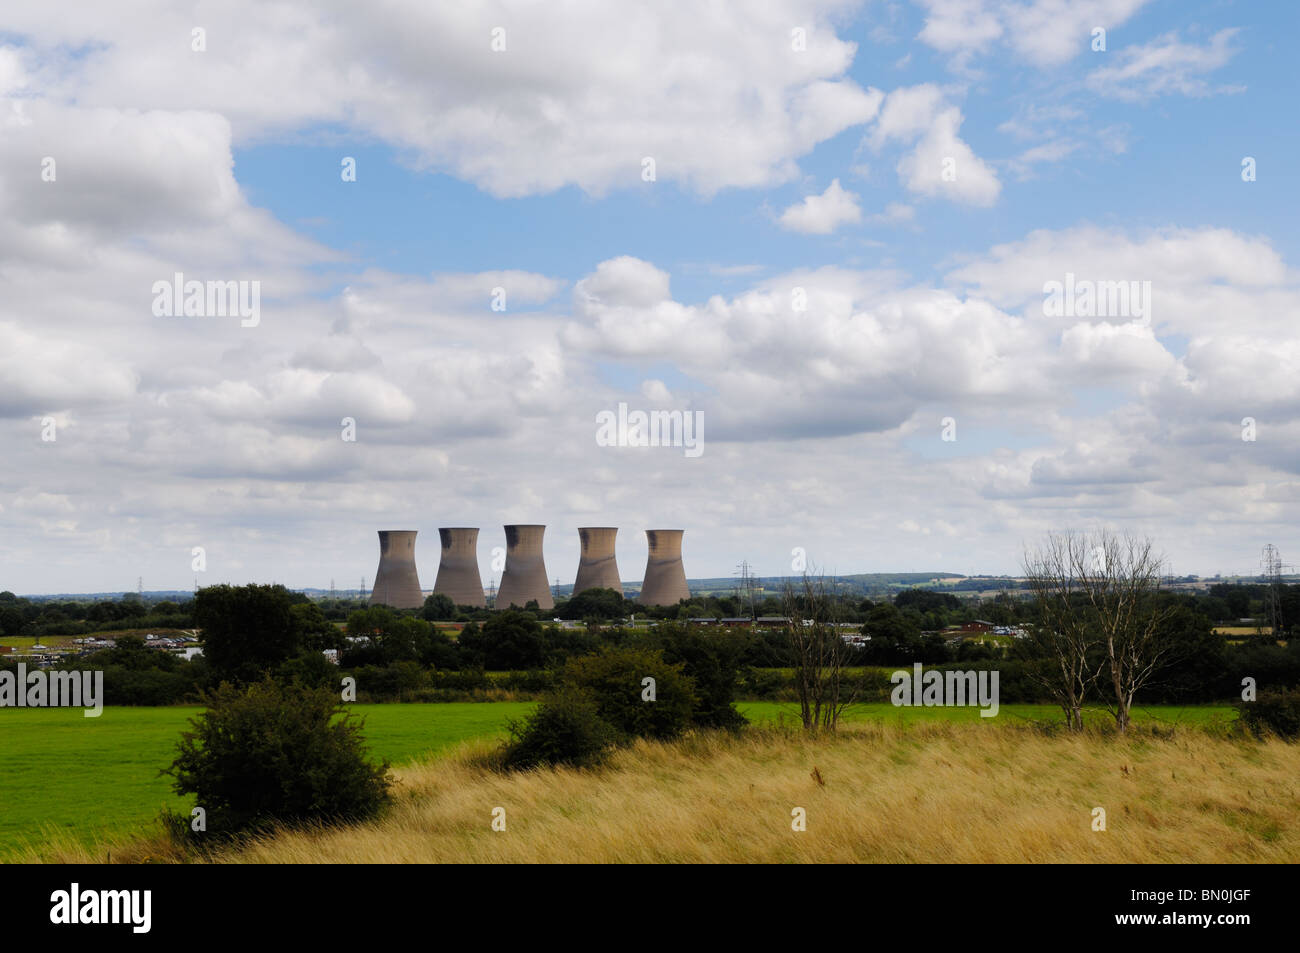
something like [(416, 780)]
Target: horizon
[(633, 584)]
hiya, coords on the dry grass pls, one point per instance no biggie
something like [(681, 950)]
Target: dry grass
[(878, 793)]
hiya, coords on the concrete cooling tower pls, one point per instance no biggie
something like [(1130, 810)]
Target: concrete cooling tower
[(596, 567), (524, 577), (665, 579), (458, 577), (396, 582)]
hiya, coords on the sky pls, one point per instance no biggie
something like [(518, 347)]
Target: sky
[(839, 235)]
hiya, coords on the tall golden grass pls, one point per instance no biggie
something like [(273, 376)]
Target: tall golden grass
[(875, 793)]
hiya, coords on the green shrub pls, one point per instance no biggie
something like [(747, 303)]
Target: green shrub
[(310, 667), (1272, 713), (124, 686), (615, 680), (713, 662), (601, 702), (565, 729), (388, 682), (277, 754), (509, 640)]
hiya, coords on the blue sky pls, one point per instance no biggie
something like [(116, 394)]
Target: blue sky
[(816, 170), (1180, 165)]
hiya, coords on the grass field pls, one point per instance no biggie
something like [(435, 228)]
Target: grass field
[(50, 641), (62, 774), (878, 792)]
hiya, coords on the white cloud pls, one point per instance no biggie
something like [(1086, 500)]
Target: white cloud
[(1106, 349), (895, 213), (956, 25), (656, 392), (907, 113), (521, 288), (1165, 65), (823, 214), (46, 372), (1044, 32), (1196, 275), (577, 97), (1054, 151), (940, 163), (624, 281)]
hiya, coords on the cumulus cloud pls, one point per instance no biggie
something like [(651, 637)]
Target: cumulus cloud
[(42, 373), (1197, 275), (940, 163), (579, 99), (823, 214)]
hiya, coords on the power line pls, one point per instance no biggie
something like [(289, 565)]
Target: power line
[(1271, 563)]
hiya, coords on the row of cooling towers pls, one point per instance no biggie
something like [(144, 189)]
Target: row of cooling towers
[(397, 583)]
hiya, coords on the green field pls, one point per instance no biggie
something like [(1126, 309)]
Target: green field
[(63, 772)]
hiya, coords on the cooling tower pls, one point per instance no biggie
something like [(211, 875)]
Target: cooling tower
[(396, 582), (596, 567), (458, 577), (665, 580), (524, 577)]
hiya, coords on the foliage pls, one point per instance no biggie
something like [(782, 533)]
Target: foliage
[(1272, 713), (509, 640), (615, 679), (604, 605), (603, 700), (273, 753), (438, 608), (247, 630), (565, 729), (713, 662)]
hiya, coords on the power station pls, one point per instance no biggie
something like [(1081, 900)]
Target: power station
[(397, 584), (665, 579), (597, 568), (524, 578), (458, 577)]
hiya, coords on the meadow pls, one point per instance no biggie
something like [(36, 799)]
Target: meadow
[(64, 777), (879, 791)]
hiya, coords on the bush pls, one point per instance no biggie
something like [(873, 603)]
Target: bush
[(565, 729), (613, 678), (601, 703), (390, 682), (125, 686), (277, 754), (310, 668), (713, 663), (1272, 713)]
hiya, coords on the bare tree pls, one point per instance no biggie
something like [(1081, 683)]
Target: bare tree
[(820, 653), (1121, 576), (1062, 631)]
